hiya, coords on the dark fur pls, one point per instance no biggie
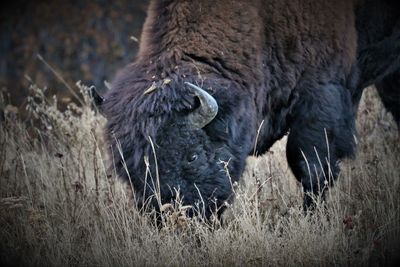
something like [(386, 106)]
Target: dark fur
[(378, 26), (288, 64), (389, 91)]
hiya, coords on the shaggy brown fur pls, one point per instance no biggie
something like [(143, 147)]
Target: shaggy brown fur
[(271, 65)]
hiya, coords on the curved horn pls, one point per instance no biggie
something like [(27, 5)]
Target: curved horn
[(208, 109)]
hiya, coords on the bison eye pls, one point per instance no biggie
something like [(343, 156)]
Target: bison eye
[(192, 158)]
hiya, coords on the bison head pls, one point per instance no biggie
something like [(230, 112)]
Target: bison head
[(173, 141)]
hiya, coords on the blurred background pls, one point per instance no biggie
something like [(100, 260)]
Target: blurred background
[(85, 40)]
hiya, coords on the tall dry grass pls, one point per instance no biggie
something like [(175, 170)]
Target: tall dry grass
[(59, 205)]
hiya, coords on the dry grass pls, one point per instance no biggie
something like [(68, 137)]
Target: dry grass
[(59, 206)]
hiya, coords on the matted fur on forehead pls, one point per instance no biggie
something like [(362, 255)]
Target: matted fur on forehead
[(136, 110)]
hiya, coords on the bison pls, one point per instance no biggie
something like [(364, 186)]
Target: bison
[(215, 81), (378, 27)]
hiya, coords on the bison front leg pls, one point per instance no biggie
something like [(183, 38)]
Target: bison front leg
[(322, 132), (389, 91)]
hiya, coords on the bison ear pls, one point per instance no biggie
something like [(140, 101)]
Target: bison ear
[(207, 110), (97, 98)]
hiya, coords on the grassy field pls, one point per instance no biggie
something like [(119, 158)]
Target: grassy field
[(59, 205)]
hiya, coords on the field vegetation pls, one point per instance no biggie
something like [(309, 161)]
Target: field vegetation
[(61, 204)]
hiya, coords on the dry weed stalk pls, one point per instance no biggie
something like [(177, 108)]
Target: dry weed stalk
[(59, 205)]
